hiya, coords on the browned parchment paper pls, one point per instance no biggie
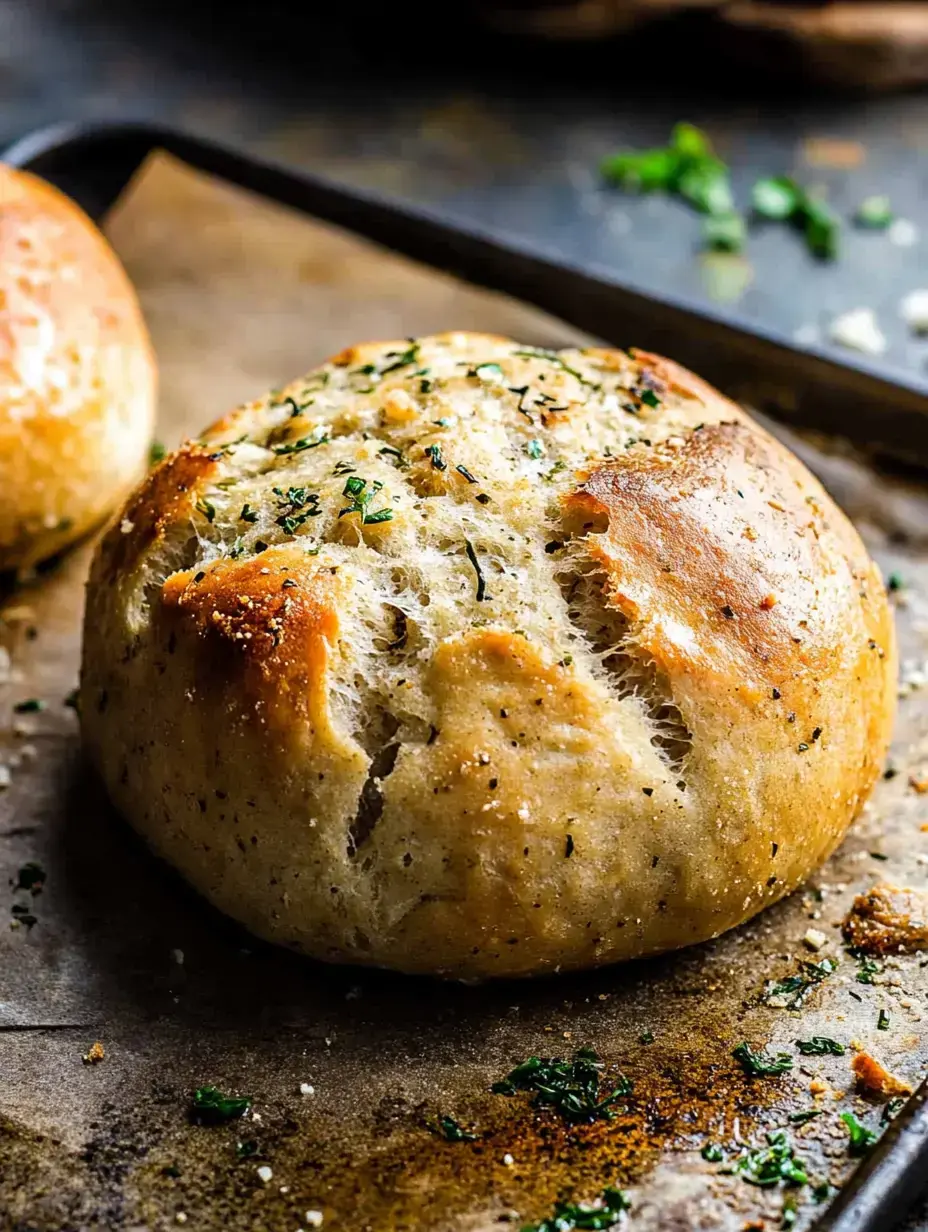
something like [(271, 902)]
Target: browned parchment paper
[(241, 295)]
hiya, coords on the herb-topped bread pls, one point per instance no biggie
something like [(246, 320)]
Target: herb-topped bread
[(459, 656), (77, 374)]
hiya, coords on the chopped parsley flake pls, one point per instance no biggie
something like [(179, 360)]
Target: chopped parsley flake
[(434, 453), (360, 495), (535, 449), (30, 705), (712, 1153), (895, 581), (156, 452), (319, 437), (800, 1118), (393, 452), (571, 1087), (462, 470), (867, 970), (882, 1022), (789, 993), (453, 1132), (402, 359), (481, 580), (605, 1212), (207, 508), (488, 372), (820, 1046), (875, 213), (860, 1139), (248, 514), (761, 1064), (211, 1107), (552, 357), (780, 199), (769, 1165)]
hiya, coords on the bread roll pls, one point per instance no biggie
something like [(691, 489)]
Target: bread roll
[(77, 378), (456, 656)]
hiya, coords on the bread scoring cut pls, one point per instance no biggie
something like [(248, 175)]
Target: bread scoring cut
[(461, 656)]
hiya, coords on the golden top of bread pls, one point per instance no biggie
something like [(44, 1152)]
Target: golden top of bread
[(77, 384), (461, 656)]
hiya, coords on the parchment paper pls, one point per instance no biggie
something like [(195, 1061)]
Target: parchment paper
[(241, 295)]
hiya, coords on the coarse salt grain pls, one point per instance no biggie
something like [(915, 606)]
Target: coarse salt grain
[(858, 330), (5, 777), (508, 1160), (178, 957), (913, 308), (307, 1089), (265, 1174), (902, 233), (815, 938), (314, 1218)]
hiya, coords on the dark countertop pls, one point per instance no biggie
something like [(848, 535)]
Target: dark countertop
[(495, 131)]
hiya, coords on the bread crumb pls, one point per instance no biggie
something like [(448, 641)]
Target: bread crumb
[(872, 1077), (887, 920), (858, 330), (94, 1054), (815, 938)]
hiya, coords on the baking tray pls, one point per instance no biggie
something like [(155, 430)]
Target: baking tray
[(390, 1054)]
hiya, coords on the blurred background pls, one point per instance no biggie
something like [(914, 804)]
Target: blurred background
[(502, 114)]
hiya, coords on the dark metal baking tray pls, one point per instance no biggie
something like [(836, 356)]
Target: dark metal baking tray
[(810, 388)]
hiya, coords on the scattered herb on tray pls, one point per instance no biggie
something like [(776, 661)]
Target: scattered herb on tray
[(780, 199), (571, 1087), (874, 213), (451, 1131), (30, 705), (789, 993), (882, 1022), (820, 1046), (211, 1107), (606, 1212), (800, 1118), (867, 969), (712, 1153), (761, 1064), (767, 1166), (860, 1139)]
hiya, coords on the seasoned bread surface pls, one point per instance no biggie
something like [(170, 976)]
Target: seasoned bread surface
[(456, 656)]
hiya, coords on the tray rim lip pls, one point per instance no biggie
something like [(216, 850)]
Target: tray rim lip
[(855, 1208), (56, 137)]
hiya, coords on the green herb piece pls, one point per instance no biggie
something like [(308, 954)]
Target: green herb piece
[(895, 582), (761, 1064), (360, 495), (769, 1165), (23, 915), (535, 449), (712, 1153), (649, 398), (488, 372), (481, 580), (248, 514), (552, 357), (211, 1107), (30, 877), (867, 969), (643, 170), (171, 1170), (800, 1118), (706, 186), (875, 213), (646, 1037), (789, 1213), (606, 1212), (821, 1192), (776, 198), (571, 1087), (434, 453), (878, 855), (393, 452), (822, 229), (246, 1149), (343, 468), (462, 470), (30, 705), (207, 508), (319, 437), (724, 232), (156, 453), (882, 1022), (789, 993), (687, 166), (890, 1109), (452, 1131), (860, 1139), (820, 1046), (403, 359)]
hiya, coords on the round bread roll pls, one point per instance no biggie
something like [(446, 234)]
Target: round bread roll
[(462, 657), (77, 376)]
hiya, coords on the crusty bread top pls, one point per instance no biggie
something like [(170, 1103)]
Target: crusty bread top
[(506, 595), (77, 378)]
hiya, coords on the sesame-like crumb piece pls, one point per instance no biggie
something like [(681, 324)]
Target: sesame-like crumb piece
[(94, 1054)]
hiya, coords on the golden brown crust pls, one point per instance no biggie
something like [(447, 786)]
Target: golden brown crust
[(580, 664), (875, 1079), (888, 920), (77, 383)]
